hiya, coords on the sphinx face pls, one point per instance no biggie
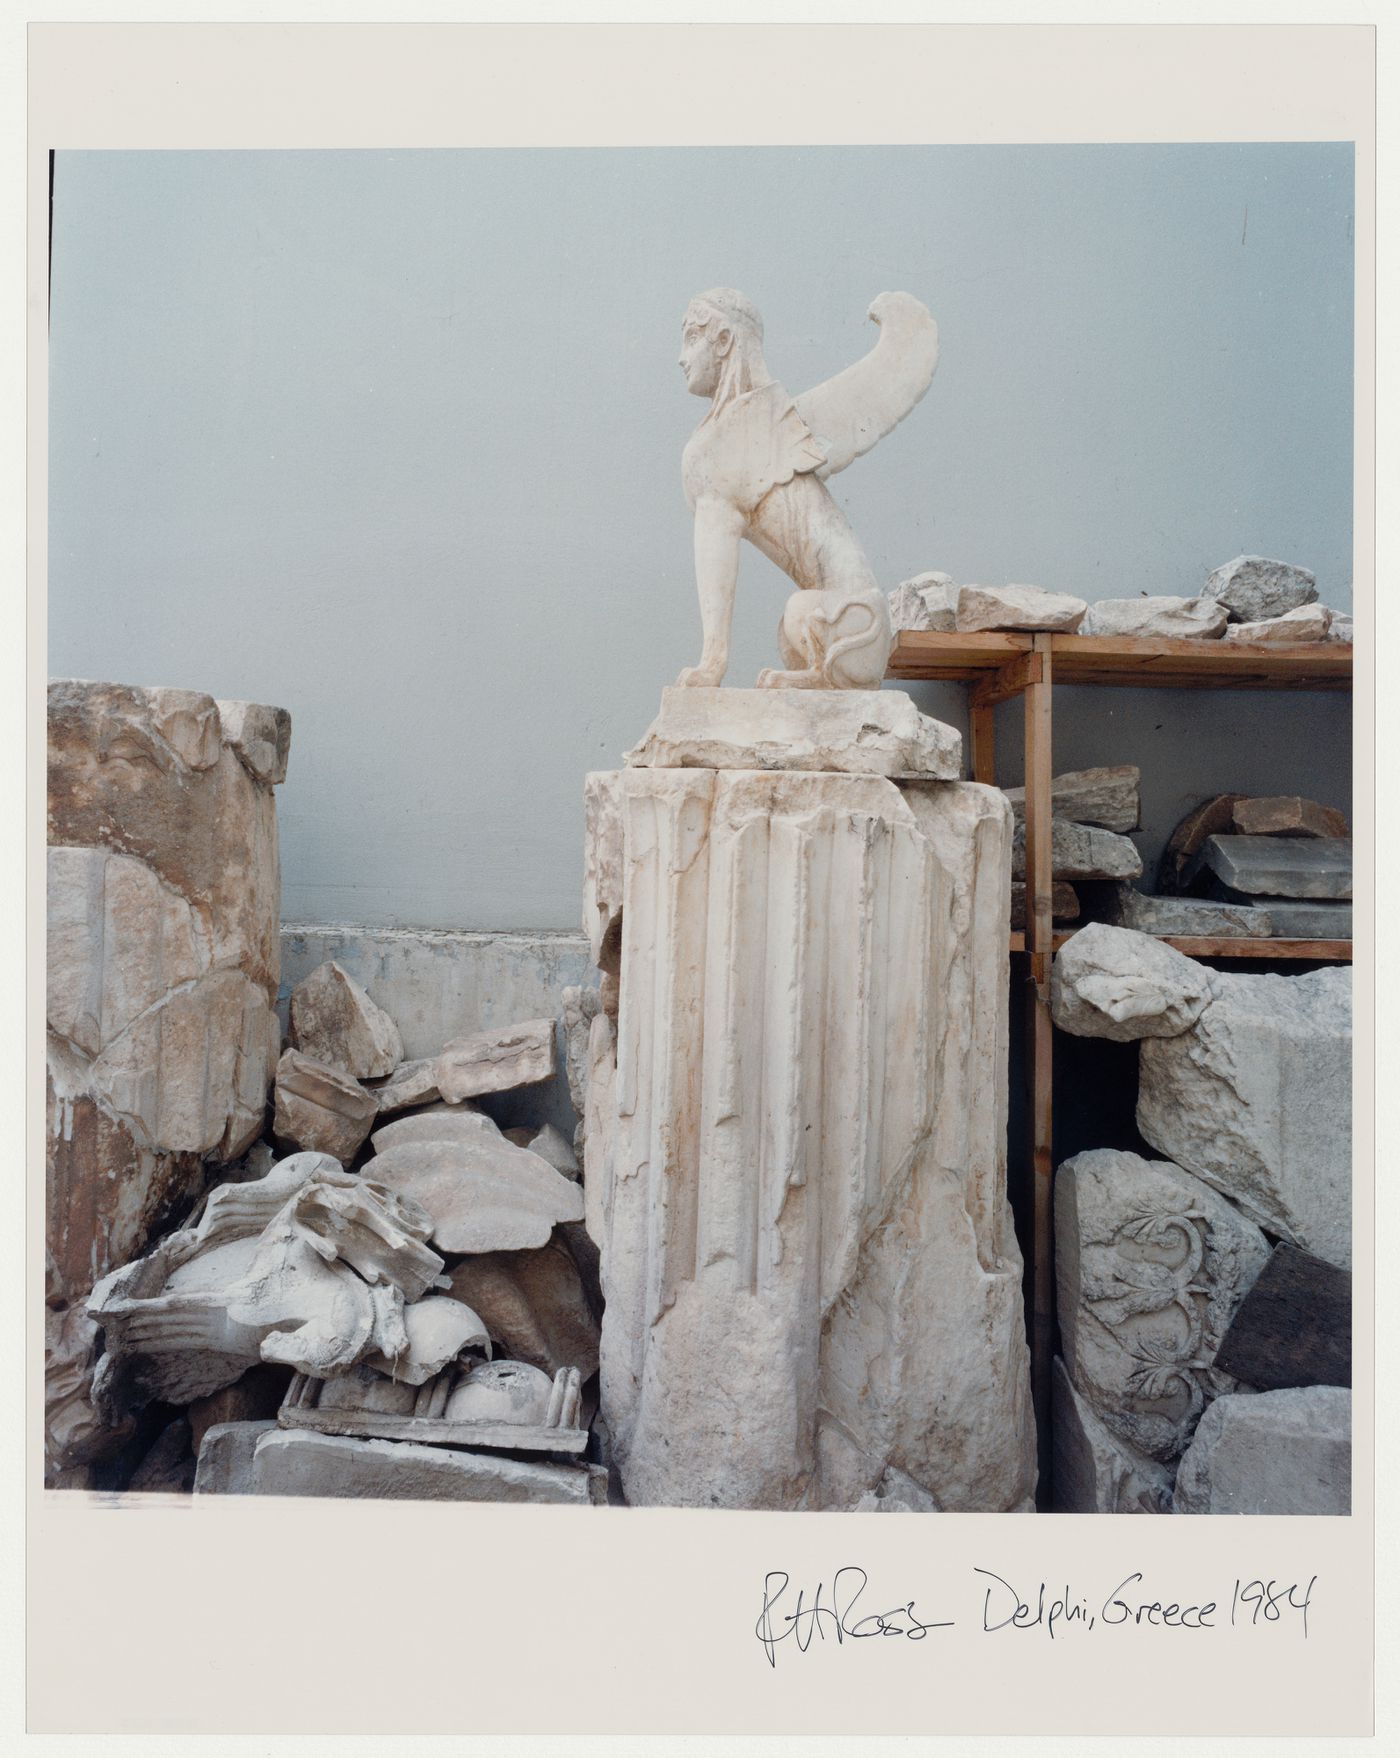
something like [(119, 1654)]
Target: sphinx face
[(700, 358)]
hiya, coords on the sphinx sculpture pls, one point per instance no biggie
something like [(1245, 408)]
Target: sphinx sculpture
[(756, 468)]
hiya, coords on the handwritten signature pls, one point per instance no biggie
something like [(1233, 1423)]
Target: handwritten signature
[(806, 1622)]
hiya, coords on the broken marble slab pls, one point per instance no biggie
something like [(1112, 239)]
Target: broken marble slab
[(333, 1020), (1275, 866), (927, 601), (554, 1147), (1212, 817), (1126, 907), (1284, 1452), (319, 1108), (1293, 1328), (1289, 815), (1308, 919), (1018, 607), (292, 1462), (483, 1192), (1253, 589), (1109, 797), (411, 1083), (225, 1463), (1150, 1267), (1310, 622), (849, 732), (1171, 619), (496, 1061), (1109, 982), (437, 1330), (1094, 1471), (1064, 903), (439, 1122), (534, 1306), (1341, 628), (1081, 851)]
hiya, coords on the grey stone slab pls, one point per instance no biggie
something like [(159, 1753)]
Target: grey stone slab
[(1081, 851), (295, 1462), (1293, 1328), (1276, 866), (1109, 797), (1129, 908), (1308, 919), (1283, 1452), (225, 1465)]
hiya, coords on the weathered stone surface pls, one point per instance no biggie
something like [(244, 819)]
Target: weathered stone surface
[(510, 1392), (320, 1108), (928, 601), (225, 1460), (292, 1462), (1094, 1471), (1080, 851), (1018, 607), (533, 1305), (436, 1330), (411, 1083), (253, 1398), (1276, 866), (1064, 903), (1293, 1328), (875, 732), (438, 1122), (334, 1021), (1110, 982), (261, 736), (1150, 1267), (1171, 619), (1213, 817), (1289, 815), (1341, 628), (580, 1006), (796, 1139), (496, 1061), (1107, 797), (896, 1493), (555, 1149), (169, 1467), (75, 1434), (1253, 588), (482, 1192), (1310, 622), (1126, 907), (1286, 1452), (1308, 919), (1256, 1100)]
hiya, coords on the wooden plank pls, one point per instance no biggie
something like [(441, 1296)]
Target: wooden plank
[(1231, 946), (1293, 1328), (1134, 661), (982, 740), (1040, 1037), (1010, 680), (953, 658)]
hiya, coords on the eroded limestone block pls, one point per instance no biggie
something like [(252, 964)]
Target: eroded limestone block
[(795, 1143), (1127, 907), (1253, 588), (850, 733), (1094, 1471), (261, 736), (1256, 1100), (1150, 1266), (580, 1005), (1171, 619), (411, 1083), (292, 1462), (483, 1192), (1286, 1452), (1081, 851), (554, 1147), (1310, 622), (1018, 607), (1308, 918), (1277, 866), (928, 601), (533, 1304), (1114, 983), (334, 1021), (496, 1061), (1289, 815), (320, 1108), (1109, 797)]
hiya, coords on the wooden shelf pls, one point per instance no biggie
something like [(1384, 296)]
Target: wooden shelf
[(1225, 946), (1127, 662)]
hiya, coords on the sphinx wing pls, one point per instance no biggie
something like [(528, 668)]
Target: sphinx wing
[(851, 412)]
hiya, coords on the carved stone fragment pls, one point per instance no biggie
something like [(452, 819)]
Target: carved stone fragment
[(928, 601), (1286, 1452), (1110, 982), (1288, 815), (411, 1083), (1109, 797), (320, 1108), (1162, 619), (1094, 1471), (482, 1192), (1150, 1267), (1253, 588), (333, 1021), (496, 1061), (533, 1305)]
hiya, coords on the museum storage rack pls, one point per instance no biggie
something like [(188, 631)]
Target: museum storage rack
[(998, 667)]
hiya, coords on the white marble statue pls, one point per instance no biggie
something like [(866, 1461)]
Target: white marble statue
[(756, 467)]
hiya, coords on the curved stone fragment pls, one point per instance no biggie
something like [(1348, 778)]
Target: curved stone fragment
[(502, 1391), (1286, 1452), (334, 1021), (441, 1122), (1150, 1267), (438, 1329), (261, 735), (483, 1194), (1116, 983)]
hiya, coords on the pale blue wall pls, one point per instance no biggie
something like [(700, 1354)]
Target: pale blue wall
[(392, 439)]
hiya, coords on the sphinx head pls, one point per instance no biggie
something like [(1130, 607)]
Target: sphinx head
[(722, 345)]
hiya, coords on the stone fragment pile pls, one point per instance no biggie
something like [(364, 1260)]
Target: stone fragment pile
[(1091, 808), (1204, 1298), (1250, 599)]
